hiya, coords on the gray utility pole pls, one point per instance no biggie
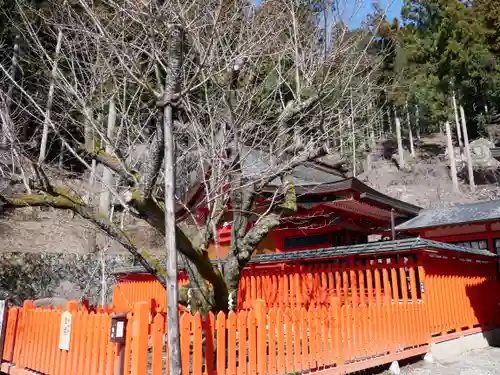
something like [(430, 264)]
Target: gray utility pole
[(172, 84)]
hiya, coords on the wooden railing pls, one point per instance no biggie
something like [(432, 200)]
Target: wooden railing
[(304, 285), (462, 294), (285, 341), (346, 281), (407, 309), (126, 294), (32, 341)]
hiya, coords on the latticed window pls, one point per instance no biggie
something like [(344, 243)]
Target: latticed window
[(308, 241), (479, 244), (497, 245)]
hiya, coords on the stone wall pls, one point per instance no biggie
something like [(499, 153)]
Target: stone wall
[(37, 275)]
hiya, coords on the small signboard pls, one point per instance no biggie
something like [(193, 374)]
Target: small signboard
[(118, 328), (65, 331)]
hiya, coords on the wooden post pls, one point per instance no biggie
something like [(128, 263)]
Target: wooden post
[(410, 134), (400, 142), (457, 122), (467, 151), (417, 128), (451, 156)]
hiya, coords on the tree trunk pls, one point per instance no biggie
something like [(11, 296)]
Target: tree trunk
[(401, 159), (340, 135), (107, 175), (457, 123), (353, 135), (88, 130), (7, 131), (416, 122), (48, 109), (410, 133), (451, 156), (467, 151), (91, 233), (371, 128)]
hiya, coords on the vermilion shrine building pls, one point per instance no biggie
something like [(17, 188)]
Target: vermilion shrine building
[(332, 211), (475, 225), (328, 235)]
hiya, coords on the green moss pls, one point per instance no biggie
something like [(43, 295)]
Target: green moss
[(290, 202), (155, 263), (67, 194)]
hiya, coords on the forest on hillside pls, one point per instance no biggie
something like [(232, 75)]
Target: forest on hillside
[(437, 48)]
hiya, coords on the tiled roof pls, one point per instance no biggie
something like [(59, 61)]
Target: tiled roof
[(372, 248), (459, 214)]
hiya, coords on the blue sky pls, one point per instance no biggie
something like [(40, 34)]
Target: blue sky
[(357, 10), (393, 10)]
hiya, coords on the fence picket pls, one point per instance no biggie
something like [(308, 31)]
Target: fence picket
[(272, 337), (252, 343), (232, 324), (242, 343), (157, 333), (209, 327), (185, 328), (197, 345), (221, 343)]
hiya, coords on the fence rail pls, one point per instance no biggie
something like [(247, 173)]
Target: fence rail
[(32, 341), (397, 308)]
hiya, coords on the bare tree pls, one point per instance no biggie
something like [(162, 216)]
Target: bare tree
[(251, 94)]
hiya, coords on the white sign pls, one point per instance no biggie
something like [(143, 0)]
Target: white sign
[(2, 314), (65, 331), (120, 328)]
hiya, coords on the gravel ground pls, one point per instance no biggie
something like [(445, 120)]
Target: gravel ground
[(479, 362)]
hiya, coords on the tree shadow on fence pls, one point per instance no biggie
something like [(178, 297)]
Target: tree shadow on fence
[(485, 301)]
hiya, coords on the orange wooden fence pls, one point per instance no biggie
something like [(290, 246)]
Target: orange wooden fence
[(32, 341), (303, 285), (388, 309), (126, 294), (346, 281), (461, 293), (284, 341)]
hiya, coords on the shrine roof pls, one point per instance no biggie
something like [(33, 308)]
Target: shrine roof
[(370, 249), (454, 215), (259, 164), (366, 194)]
